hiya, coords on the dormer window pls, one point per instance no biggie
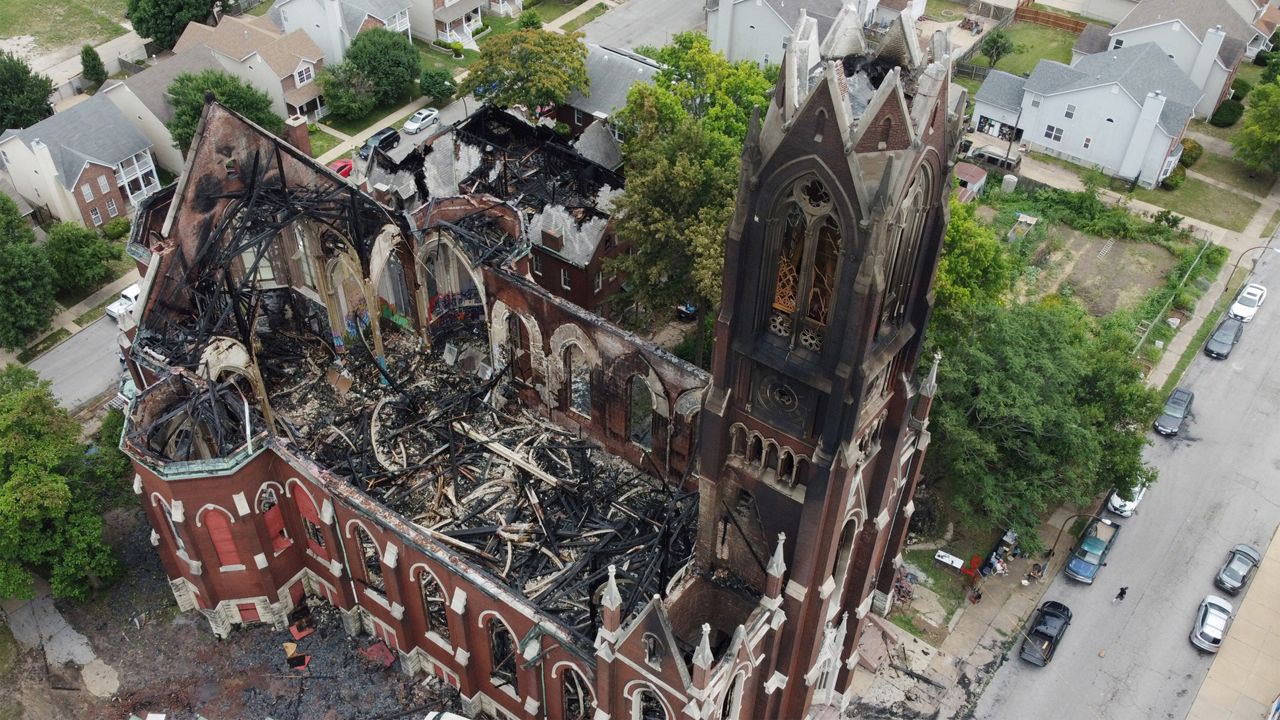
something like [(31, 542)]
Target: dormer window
[(808, 255), (304, 75)]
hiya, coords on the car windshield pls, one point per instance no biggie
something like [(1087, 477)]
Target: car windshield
[(1224, 333), (1248, 300), (1175, 408), (1092, 558)]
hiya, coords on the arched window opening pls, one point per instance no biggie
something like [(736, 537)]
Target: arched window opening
[(648, 706), (502, 656), (808, 258), (745, 505), (886, 132), (844, 553), (311, 524), (771, 457), (517, 350), (755, 451), (653, 650), (224, 545), (372, 561), (576, 696), (578, 380), (640, 413), (738, 440), (732, 703), (434, 605), (173, 529), (273, 518), (904, 251), (787, 469)]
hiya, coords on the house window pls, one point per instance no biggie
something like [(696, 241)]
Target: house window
[(577, 116), (86, 192), (536, 261), (599, 281), (97, 216), (1071, 111), (1053, 133), (305, 75), (1087, 142), (1119, 44), (112, 210), (103, 187), (564, 279), (1035, 102), (617, 134)]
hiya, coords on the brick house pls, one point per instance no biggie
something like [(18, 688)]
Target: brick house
[(86, 164), (612, 73)]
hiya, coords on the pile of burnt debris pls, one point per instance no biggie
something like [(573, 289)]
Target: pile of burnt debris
[(544, 511)]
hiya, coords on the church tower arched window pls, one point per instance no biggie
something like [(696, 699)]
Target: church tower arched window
[(904, 249), (808, 257)]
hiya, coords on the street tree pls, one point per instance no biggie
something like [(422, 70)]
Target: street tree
[(13, 227), (347, 91), (26, 293), (49, 520), (1272, 71), (164, 20), (187, 96), (534, 69), (1257, 142), (91, 66), (24, 94), (437, 84), (997, 45), (80, 257), (529, 20), (390, 62)]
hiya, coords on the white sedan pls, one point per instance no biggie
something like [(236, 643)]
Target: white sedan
[(1248, 302), (421, 119), (1124, 506)]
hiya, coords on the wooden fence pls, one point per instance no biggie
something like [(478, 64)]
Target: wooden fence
[(1050, 19)]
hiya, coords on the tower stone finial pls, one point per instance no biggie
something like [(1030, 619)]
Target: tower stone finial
[(930, 386), (702, 656), (778, 566), (612, 598)]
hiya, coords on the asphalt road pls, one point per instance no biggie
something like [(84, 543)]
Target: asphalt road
[(83, 367), (645, 22), (1218, 486)]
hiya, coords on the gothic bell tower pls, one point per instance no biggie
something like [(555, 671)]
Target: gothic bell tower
[(815, 424)]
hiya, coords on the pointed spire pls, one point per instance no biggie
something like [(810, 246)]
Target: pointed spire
[(612, 599), (702, 656), (930, 386), (778, 566)]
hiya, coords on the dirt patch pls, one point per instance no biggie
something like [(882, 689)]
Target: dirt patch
[(1102, 274), (986, 214)]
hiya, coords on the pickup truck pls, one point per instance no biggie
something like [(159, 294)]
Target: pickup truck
[(1091, 552), (123, 304)]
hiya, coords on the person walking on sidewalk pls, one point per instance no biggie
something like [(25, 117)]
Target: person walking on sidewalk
[(1120, 595)]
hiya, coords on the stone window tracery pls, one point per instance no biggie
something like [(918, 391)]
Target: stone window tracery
[(808, 258), (904, 250)]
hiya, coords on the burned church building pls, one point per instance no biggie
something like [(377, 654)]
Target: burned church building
[(381, 406)]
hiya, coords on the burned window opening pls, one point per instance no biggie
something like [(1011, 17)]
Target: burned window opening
[(502, 656), (434, 605), (640, 412), (576, 696), (648, 706), (372, 561)]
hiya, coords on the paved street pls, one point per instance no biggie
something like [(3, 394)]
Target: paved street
[(645, 22), (1217, 487), (83, 367)]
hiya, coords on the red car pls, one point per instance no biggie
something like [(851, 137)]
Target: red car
[(341, 167)]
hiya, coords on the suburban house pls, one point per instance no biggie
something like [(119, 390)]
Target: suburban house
[(144, 99), (334, 24), (612, 73), (283, 65), (758, 30), (1207, 39), (85, 164), (1122, 112)]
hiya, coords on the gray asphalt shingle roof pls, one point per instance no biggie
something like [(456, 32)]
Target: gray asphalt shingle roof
[(823, 11), (1093, 39), (598, 145), (612, 73), (1002, 90), (151, 86), (1138, 69), (1198, 16), (91, 131)]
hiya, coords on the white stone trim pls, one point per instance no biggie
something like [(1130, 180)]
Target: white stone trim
[(242, 505), (155, 539), (326, 512), (827, 588), (459, 602), (462, 657), (777, 682), (531, 706), (260, 561), (796, 591), (390, 555), (863, 608), (137, 484), (177, 513), (397, 611)]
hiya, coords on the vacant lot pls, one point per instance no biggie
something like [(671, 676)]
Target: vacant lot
[(1035, 43), (52, 24), (1103, 275)]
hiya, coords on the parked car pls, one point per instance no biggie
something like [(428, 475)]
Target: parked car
[(1046, 631), (997, 157), (423, 118), (1235, 573), (384, 140), (1247, 302), (341, 167), (1125, 506), (1091, 552), (1176, 410), (686, 311), (1213, 619), (123, 304), (1224, 338)]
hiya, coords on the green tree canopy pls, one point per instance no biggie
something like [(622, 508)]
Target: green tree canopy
[(164, 20), (13, 227), (26, 293), (437, 84), (49, 522), (95, 73), (998, 45), (186, 94), (1257, 142), (390, 62), (24, 95), (531, 68), (973, 272), (529, 20), (347, 91), (79, 256)]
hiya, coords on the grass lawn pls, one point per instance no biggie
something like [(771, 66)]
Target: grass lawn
[(1250, 72), (55, 23), (261, 8), (944, 10), (1038, 43), (586, 17), (353, 127), (1271, 226), (94, 313), (1210, 322), (321, 142), (970, 84), (1199, 200), (1205, 128), (1230, 170), (549, 10), (43, 345), (435, 60)]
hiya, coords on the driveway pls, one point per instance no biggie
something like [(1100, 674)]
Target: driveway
[(645, 22), (1218, 486), (84, 366)]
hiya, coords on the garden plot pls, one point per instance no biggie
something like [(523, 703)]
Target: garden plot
[(1104, 275)]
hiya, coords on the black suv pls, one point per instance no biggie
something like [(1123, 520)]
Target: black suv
[(1046, 631), (384, 140), (1176, 410), (1224, 338)]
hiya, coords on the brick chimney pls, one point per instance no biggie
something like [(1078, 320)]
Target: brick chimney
[(295, 133)]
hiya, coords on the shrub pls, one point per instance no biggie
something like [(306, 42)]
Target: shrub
[(563, 129), (1260, 59), (529, 20), (1240, 88), (1175, 179), (441, 43), (1191, 152), (1227, 113), (531, 3), (116, 228), (457, 49), (437, 84)]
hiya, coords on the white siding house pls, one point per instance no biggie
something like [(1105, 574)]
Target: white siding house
[(757, 30)]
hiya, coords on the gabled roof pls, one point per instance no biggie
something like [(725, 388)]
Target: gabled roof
[(1198, 16), (1138, 69), (238, 39), (354, 12), (151, 86), (824, 11), (612, 73), (598, 145), (93, 131), (1093, 39), (1002, 90)]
